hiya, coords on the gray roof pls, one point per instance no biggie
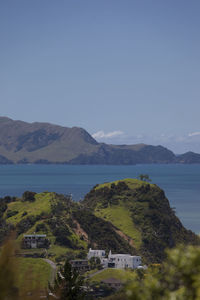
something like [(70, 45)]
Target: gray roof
[(34, 235), (111, 280)]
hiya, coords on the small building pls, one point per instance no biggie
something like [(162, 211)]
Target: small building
[(113, 283), (96, 253), (35, 241), (122, 261), (80, 265)]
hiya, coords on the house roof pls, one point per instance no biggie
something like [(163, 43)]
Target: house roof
[(34, 235), (111, 280)]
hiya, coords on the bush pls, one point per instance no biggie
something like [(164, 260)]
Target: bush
[(11, 213), (41, 227), (28, 196), (178, 278)]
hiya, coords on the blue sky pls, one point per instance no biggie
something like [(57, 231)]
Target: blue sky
[(126, 71)]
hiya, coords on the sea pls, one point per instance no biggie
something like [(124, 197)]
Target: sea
[(181, 183)]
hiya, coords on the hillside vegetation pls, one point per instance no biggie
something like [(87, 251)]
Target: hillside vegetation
[(126, 216), (141, 214)]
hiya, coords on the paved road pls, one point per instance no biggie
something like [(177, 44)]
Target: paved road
[(54, 267)]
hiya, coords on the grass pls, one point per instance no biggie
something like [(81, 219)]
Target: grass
[(41, 204), (123, 275), (32, 273), (54, 250), (131, 182), (90, 272), (119, 215)]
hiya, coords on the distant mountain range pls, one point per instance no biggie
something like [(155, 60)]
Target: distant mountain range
[(38, 143)]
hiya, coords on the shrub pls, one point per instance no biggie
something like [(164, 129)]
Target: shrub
[(28, 196), (11, 213)]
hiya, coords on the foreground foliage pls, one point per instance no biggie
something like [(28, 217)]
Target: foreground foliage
[(10, 271), (67, 285), (177, 279)]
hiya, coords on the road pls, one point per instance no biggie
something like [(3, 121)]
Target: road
[(54, 267)]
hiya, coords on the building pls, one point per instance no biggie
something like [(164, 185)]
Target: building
[(35, 241), (122, 261), (118, 261), (80, 265), (113, 283), (96, 253)]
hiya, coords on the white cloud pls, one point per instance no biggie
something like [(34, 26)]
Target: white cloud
[(102, 135), (194, 133)]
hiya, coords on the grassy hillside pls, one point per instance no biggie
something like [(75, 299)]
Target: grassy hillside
[(23, 209), (141, 214), (122, 275), (127, 216), (69, 227)]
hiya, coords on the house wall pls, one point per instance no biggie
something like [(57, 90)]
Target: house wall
[(125, 261), (96, 253)]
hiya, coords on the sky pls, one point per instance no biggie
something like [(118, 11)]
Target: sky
[(127, 71)]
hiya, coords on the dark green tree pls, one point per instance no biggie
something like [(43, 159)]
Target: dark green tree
[(67, 285), (95, 263), (28, 196), (144, 177)]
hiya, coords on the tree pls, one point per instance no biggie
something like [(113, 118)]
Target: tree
[(144, 177), (8, 273), (95, 263), (67, 285), (178, 278), (28, 196)]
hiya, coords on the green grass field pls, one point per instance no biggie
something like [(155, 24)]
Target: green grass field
[(123, 275), (41, 204), (32, 273), (119, 215)]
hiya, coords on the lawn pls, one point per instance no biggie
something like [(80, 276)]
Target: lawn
[(32, 273), (123, 275)]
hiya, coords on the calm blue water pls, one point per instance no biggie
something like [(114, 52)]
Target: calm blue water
[(180, 182)]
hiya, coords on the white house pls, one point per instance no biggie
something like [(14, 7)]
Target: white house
[(118, 261), (96, 253), (122, 261)]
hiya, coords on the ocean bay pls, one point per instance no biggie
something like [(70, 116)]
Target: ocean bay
[(181, 183)]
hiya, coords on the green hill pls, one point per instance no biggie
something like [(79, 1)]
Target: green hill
[(141, 214), (126, 216), (67, 225)]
